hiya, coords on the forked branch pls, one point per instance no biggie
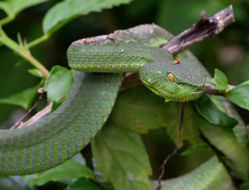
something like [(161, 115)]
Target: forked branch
[(204, 28)]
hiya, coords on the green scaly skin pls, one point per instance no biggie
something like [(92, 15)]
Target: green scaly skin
[(67, 130)]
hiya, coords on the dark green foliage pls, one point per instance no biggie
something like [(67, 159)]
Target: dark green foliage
[(239, 95), (83, 184), (24, 98), (72, 169), (120, 157), (208, 110)]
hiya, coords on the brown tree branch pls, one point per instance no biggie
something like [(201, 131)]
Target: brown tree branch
[(39, 115), (210, 89), (20, 121), (204, 28)]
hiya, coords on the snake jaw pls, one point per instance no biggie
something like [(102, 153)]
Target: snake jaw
[(185, 97)]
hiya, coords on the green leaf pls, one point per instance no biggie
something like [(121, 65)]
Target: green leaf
[(74, 168), (35, 72), (13, 7), (212, 114), (240, 129), (79, 159), (195, 148), (120, 158), (220, 80), (218, 101), (233, 153), (239, 95), (209, 176), (13, 183), (139, 110), (245, 186), (190, 124), (59, 83), (24, 98), (55, 106), (65, 11), (83, 184)]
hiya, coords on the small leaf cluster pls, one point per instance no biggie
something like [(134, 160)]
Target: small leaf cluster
[(58, 82), (237, 95)]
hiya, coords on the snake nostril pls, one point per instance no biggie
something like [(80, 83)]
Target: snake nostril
[(180, 84)]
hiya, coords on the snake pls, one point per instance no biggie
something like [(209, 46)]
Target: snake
[(100, 63)]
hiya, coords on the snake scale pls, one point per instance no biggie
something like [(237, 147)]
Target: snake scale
[(53, 140)]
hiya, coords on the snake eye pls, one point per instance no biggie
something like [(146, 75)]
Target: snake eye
[(171, 77)]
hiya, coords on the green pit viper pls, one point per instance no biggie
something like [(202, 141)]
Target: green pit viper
[(51, 141)]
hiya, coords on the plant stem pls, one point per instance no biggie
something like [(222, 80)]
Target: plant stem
[(37, 64), (38, 40), (179, 128), (21, 50), (6, 20)]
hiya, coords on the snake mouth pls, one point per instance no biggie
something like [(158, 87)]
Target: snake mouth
[(182, 97), (185, 97), (191, 96), (200, 89), (196, 91)]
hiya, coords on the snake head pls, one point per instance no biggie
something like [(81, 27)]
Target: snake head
[(175, 82)]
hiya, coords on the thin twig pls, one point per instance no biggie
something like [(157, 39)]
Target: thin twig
[(38, 116), (211, 89), (38, 40), (22, 50), (29, 57), (20, 121), (180, 119)]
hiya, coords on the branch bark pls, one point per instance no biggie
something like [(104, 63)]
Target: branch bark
[(204, 28)]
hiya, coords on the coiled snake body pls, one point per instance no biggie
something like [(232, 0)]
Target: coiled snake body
[(67, 130)]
